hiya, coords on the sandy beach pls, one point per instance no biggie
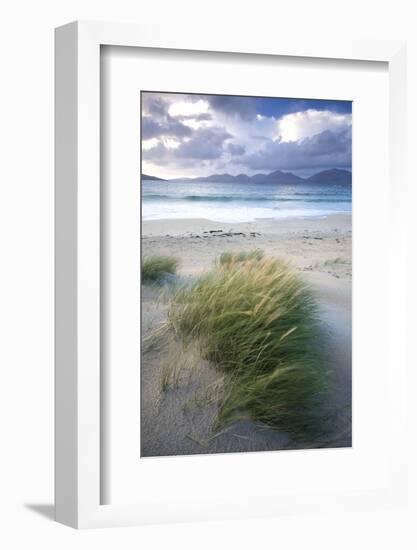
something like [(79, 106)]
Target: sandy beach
[(176, 420)]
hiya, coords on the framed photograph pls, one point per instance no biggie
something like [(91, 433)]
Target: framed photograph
[(230, 292), (246, 276)]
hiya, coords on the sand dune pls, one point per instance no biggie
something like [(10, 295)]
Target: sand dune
[(175, 421)]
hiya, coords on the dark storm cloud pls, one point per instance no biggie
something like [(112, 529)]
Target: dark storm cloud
[(157, 122), (168, 127), (154, 105), (204, 144), (244, 107), (235, 149), (329, 149), (241, 134)]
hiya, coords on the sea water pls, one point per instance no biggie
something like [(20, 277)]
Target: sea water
[(242, 202)]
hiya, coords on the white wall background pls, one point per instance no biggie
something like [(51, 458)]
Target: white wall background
[(26, 272)]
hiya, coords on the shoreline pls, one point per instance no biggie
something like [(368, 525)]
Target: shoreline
[(342, 220), (323, 244)]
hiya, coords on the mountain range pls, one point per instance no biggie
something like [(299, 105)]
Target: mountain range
[(333, 176)]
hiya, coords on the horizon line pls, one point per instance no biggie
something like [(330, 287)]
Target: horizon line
[(246, 175)]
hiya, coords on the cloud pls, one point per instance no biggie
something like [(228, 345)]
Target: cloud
[(154, 105), (204, 144), (235, 149), (199, 117), (157, 122), (189, 109), (328, 149), (297, 126), (243, 107), (152, 128), (190, 134)]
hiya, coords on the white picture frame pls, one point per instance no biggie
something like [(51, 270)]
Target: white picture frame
[(78, 405)]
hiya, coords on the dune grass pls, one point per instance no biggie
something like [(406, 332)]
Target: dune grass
[(258, 323), (155, 268), (230, 257)]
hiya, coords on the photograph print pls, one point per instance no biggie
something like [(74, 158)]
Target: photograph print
[(246, 273)]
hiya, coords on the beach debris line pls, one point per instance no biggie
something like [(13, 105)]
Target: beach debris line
[(221, 233)]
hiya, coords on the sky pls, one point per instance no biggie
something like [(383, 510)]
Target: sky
[(190, 135)]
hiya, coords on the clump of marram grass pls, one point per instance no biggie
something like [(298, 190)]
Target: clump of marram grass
[(155, 268), (226, 258), (258, 323)]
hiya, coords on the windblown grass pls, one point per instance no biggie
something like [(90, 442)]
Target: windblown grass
[(258, 323), (227, 258), (155, 268)]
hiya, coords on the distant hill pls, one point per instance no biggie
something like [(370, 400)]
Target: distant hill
[(223, 178), (341, 177), (285, 178), (336, 176), (147, 177)]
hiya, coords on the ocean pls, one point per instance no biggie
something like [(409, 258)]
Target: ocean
[(242, 202)]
